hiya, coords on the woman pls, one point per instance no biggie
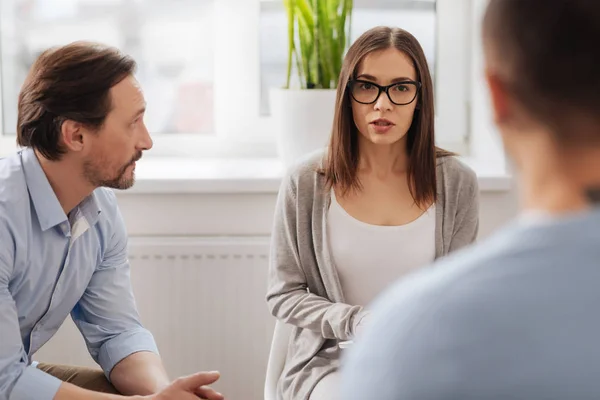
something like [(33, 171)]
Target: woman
[(382, 202)]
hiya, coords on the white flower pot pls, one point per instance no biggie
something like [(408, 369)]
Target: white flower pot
[(303, 119)]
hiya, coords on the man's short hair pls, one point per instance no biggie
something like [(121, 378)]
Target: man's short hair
[(68, 83), (549, 53)]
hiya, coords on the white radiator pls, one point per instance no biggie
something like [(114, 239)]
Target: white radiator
[(204, 301)]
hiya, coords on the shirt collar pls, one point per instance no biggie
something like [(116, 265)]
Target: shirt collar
[(90, 208), (47, 207)]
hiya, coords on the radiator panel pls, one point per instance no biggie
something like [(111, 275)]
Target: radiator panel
[(204, 301)]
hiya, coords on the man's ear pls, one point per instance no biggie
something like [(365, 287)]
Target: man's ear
[(72, 135), (499, 97)]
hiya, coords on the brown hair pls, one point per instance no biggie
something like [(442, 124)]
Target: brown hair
[(547, 53), (68, 83), (341, 164)]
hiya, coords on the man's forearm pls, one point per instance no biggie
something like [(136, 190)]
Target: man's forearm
[(140, 373)]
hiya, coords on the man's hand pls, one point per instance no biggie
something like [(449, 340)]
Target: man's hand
[(190, 388)]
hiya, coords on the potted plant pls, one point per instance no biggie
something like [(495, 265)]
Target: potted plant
[(318, 36)]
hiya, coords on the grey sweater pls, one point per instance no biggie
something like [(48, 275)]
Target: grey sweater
[(304, 289)]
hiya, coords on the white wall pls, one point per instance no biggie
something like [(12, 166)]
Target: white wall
[(250, 214)]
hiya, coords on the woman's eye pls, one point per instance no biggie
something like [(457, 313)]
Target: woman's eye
[(366, 86)]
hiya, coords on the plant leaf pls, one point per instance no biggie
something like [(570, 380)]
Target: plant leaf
[(306, 13), (318, 32), (306, 51), (290, 6), (326, 50), (315, 62)]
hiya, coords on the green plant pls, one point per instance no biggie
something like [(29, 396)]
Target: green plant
[(318, 33)]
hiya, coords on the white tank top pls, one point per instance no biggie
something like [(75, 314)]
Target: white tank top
[(368, 258)]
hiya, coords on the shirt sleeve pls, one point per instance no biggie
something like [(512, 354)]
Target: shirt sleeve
[(18, 381), (106, 314)]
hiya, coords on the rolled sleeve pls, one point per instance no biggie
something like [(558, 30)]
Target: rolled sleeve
[(106, 314), (124, 345), (34, 384)]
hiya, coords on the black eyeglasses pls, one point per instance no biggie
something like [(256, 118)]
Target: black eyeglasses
[(399, 93)]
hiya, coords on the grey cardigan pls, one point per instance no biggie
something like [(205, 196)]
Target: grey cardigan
[(304, 289)]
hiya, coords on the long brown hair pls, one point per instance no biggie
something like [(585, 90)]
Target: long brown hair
[(341, 163)]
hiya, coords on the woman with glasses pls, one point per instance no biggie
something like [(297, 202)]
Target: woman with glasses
[(382, 201)]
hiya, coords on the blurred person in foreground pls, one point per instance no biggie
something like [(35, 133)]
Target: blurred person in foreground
[(515, 316)]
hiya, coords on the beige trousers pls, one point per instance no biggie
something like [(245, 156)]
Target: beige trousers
[(86, 378)]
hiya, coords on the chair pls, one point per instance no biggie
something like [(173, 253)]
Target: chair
[(277, 354)]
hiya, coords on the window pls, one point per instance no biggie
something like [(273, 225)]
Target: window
[(206, 65), (175, 69)]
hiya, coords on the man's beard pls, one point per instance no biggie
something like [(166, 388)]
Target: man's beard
[(93, 174)]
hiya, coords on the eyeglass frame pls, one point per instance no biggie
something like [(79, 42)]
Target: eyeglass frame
[(384, 89)]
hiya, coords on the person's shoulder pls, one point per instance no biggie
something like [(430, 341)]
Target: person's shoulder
[(429, 317), (106, 199), (14, 202), (434, 286), (457, 181), (411, 325), (304, 173), (492, 270), (307, 166), (13, 186), (110, 220), (456, 172)]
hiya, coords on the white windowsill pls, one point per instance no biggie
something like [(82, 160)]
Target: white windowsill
[(247, 175), (238, 174)]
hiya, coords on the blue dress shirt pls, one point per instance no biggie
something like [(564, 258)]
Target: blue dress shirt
[(53, 265)]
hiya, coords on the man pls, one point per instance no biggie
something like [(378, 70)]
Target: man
[(63, 242), (514, 317)]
